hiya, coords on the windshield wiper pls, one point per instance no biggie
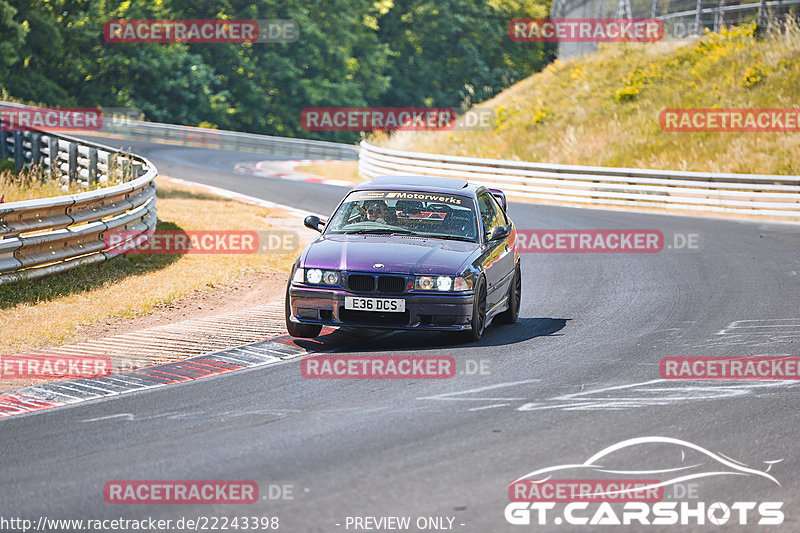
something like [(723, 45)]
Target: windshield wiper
[(379, 231), (449, 237)]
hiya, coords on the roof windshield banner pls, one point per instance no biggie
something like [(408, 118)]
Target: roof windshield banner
[(409, 195)]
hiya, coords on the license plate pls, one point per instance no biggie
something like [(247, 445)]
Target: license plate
[(384, 305)]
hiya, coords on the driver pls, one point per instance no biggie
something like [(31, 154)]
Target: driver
[(377, 211)]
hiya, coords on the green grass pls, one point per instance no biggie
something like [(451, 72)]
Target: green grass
[(52, 310), (602, 108)]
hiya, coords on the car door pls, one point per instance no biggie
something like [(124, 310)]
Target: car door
[(498, 259)]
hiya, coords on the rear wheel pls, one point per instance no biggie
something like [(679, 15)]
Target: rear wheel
[(303, 331), (478, 312), (510, 315)]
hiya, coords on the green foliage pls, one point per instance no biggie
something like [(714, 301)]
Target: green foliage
[(7, 165), (754, 75), (350, 53), (453, 52), (12, 35)]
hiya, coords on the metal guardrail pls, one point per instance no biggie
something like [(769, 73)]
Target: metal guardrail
[(50, 235), (683, 19), (702, 192), (229, 140), (220, 139), (45, 236)]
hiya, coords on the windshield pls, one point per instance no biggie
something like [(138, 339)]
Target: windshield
[(444, 216)]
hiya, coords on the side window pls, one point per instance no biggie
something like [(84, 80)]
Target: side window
[(490, 213), (500, 214)]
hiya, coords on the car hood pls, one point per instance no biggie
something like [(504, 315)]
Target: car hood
[(398, 254)]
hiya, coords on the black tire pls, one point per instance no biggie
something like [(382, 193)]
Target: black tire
[(303, 331), (478, 313), (510, 315)]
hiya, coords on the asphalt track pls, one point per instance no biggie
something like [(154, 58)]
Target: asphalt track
[(579, 372)]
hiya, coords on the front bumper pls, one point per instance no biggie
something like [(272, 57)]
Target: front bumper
[(438, 312)]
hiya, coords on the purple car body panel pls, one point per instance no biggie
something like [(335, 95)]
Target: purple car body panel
[(399, 254)]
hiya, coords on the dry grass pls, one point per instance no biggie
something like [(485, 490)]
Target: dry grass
[(602, 109), (340, 170), (27, 185), (50, 311)]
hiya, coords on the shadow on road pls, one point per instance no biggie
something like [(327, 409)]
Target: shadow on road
[(496, 335)]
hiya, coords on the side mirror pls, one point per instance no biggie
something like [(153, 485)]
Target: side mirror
[(313, 222), (498, 232)]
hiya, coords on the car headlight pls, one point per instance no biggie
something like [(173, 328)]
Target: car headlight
[(316, 276), (330, 277), (441, 283)]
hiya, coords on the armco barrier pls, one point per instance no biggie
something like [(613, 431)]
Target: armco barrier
[(220, 139), (229, 140), (50, 235), (701, 192)]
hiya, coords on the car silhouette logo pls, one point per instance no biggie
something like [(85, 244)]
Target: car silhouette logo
[(704, 464), (377, 265)]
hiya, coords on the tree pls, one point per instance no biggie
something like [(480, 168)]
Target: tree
[(12, 37)]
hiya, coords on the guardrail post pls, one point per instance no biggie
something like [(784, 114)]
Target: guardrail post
[(55, 167), (36, 147), (111, 168), (73, 162), (697, 30), (762, 15), (92, 166), (36, 153), (125, 169), (18, 154)]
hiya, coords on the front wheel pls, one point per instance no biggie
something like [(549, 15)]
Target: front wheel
[(303, 331), (510, 315), (478, 312)]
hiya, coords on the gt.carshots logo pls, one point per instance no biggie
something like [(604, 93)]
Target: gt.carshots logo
[(643, 496)]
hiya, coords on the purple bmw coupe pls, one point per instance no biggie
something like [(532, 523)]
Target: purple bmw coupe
[(408, 252)]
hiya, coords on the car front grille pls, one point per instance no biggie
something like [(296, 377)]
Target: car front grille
[(361, 282), (372, 282), (391, 284)]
